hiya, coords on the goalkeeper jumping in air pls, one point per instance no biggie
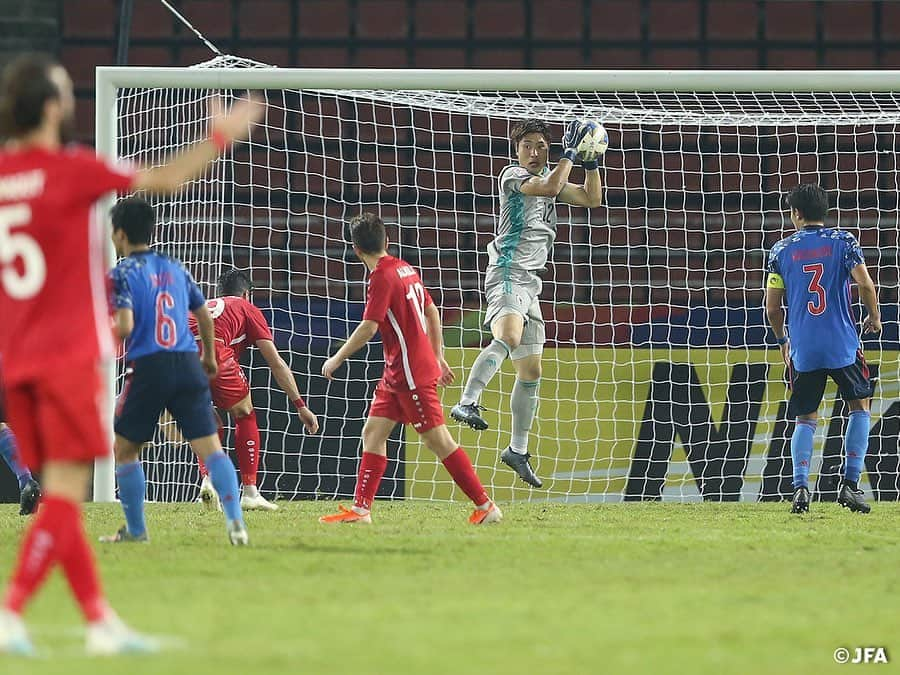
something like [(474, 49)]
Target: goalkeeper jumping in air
[(812, 269), (526, 231)]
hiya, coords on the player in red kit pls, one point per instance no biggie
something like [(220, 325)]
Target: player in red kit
[(400, 307), (239, 324), (55, 330)]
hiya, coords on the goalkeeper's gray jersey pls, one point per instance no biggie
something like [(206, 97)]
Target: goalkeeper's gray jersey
[(527, 226)]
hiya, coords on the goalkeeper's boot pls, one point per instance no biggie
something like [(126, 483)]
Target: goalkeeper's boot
[(208, 495), (521, 465), (110, 636), (28, 498), (123, 536), (492, 514), (345, 515), (851, 497), (251, 500), (800, 502), (469, 413), (14, 639), (237, 533)]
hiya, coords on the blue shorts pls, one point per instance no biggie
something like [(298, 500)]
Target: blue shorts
[(167, 380)]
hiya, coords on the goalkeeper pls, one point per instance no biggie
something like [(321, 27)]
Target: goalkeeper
[(526, 230)]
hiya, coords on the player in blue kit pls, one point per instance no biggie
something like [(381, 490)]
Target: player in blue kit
[(151, 296), (29, 489), (812, 270)]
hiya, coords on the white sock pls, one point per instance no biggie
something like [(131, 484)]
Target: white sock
[(251, 491)]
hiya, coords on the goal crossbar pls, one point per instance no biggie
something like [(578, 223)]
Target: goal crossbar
[(503, 80)]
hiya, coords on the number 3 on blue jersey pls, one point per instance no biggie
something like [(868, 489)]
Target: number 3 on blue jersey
[(819, 304)]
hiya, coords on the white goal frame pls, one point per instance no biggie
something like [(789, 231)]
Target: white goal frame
[(110, 79)]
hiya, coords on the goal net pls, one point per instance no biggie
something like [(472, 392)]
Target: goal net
[(660, 378)]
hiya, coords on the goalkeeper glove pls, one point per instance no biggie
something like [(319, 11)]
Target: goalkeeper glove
[(575, 133), (590, 164)]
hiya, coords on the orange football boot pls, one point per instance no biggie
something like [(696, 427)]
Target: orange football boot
[(345, 515), (492, 514)]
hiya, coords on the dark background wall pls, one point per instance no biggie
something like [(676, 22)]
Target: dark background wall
[(483, 34), (32, 24)]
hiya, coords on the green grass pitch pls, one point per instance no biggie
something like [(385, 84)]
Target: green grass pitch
[(628, 588)]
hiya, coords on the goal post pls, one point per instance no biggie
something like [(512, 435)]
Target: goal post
[(660, 378)]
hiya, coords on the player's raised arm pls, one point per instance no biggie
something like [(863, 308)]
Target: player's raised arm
[(285, 379), (534, 150), (225, 129), (869, 297), (436, 338), (589, 195), (364, 332)]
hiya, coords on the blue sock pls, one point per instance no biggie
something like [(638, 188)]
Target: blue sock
[(132, 488), (224, 480), (801, 450), (856, 442), (9, 452)]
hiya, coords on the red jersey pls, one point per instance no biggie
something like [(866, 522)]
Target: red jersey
[(397, 301), (53, 300), (238, 323)]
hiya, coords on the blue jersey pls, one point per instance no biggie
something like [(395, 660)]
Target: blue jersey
[(159, 291), (813, 266)]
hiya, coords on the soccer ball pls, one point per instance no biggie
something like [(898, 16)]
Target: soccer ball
[(595, 141)]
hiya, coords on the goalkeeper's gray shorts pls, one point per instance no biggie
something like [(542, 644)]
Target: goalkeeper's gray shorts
[(515, 291)]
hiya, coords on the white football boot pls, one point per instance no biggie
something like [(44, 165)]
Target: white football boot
[(14, 638), (208, 495), (251, 500), (110, 636), (237, 533)]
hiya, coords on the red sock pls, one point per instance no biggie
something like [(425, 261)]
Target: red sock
[(246, 441), (81, 571), (371, 469), (221, 429), (460, 468), (46, 540)]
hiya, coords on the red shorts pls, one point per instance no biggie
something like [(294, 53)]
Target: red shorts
[(421, 408), (61, 417), (230, 386)]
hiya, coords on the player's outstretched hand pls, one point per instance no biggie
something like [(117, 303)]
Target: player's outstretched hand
[(309, 419), (209, 365), (447, 375), (329, 367), (872, 325), (235, 124)]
